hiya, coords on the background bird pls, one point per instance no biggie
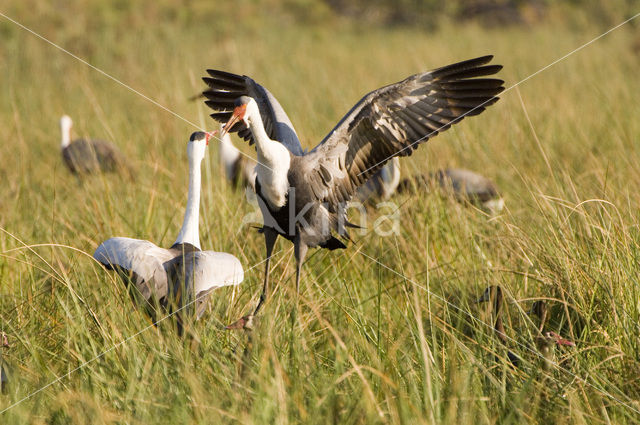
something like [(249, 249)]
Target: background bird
[(303, 195), (239, 169), (494, 297), (90, 156), (545, 341), (464, 185), (182, 275), (546, 344), (383, 184), (561, 318)]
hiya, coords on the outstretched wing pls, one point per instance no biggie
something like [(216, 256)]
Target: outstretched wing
[(197, 273), (141, 261), (225, 88), (393, 120), (204, 272), (212, 270)]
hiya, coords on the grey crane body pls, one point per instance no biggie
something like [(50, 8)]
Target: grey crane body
[(467, 184), (387, 122), (90, 156), (464, 185), (181, 277), (306, 218), (243, 173), (383, 184)]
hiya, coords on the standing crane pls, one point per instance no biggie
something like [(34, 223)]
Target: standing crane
[(182, 275), (303, 195), (464, 185)]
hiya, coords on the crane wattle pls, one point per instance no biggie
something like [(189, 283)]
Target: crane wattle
[(240, 111), (209, 135)]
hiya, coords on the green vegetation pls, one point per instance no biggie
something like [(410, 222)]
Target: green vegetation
[(367, 345)]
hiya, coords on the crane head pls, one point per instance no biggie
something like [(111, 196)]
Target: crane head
[(559, 340), (239, 113), (65, 121), (201, 135)]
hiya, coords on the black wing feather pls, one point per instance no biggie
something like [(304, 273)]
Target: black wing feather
[(395, 119), (225, 88)]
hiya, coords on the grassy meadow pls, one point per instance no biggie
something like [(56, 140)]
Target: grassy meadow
[(386, 331)]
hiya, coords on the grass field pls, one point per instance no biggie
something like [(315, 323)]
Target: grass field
[(386, 331)]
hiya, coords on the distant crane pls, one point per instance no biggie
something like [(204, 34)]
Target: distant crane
[(464, 185), (383, 184), (86, 156), (183, 274), (302, 195), (240, 170), (545, 341)]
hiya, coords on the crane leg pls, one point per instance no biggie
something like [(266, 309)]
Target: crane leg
[(300, 251), (270, 237), (246, 322)]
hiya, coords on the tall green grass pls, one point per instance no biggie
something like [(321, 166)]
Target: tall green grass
[(386, 331)]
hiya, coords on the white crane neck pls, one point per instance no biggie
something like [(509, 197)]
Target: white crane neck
[(274, 161), (189, 233), (66, 135), (269, 151), (262, 139)]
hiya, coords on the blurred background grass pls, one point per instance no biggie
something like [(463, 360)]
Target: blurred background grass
[(368, 346)]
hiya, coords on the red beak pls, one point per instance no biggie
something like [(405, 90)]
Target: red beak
[(238, 114)]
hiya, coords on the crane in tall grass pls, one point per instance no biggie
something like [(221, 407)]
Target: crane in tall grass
[(303, 195), (90, 156), (180, 277)]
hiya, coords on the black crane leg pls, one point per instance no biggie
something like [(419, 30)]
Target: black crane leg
[(270, 237), (246, 322)]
